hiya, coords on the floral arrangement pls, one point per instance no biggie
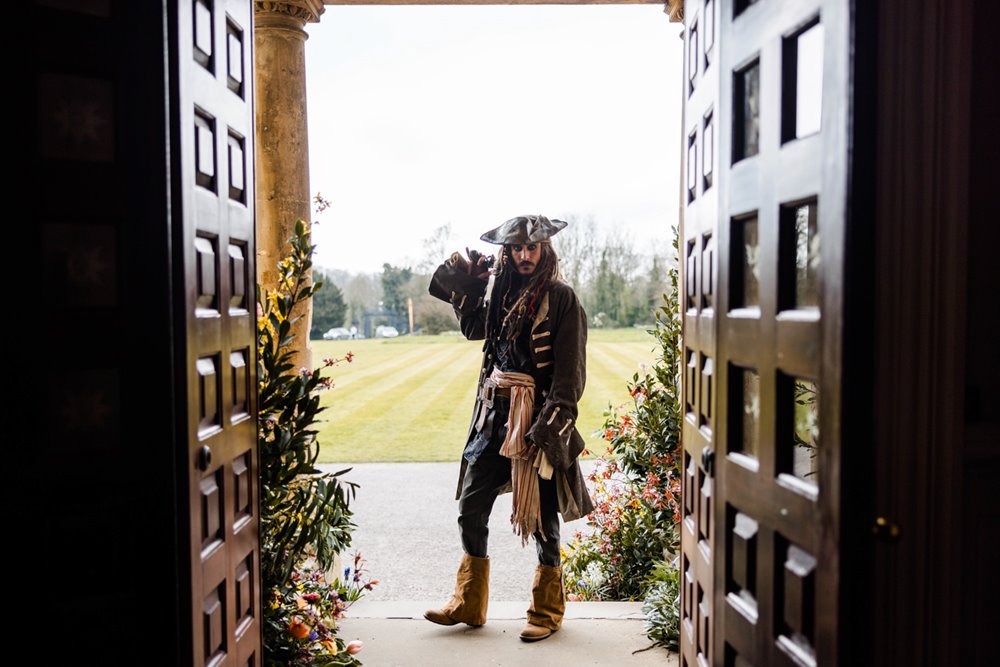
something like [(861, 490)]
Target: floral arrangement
[(305, 519), (635, 537), (311, 606), (662, 606), (636, 502)]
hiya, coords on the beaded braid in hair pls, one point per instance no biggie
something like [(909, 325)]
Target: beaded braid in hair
[(526, 302)]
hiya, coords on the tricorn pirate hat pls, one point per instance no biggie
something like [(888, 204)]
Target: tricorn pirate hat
[(523, 229)]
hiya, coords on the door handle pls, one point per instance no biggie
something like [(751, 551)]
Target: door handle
[(707, 459), (204, 457), (885, 530)]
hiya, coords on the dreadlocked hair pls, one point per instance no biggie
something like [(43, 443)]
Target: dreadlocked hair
[(509, 320)]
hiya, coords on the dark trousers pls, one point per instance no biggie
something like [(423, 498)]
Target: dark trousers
[(482, 483)]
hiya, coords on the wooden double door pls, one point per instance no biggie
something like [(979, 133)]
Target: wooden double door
[(212, 117), (767, 168)]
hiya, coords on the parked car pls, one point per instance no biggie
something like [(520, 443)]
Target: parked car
[(383, 331), (337, 333)]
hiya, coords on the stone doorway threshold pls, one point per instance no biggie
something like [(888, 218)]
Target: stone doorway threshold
[(593, 633)]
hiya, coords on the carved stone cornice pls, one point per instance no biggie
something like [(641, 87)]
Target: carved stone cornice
[(675, 10), (307, 11)]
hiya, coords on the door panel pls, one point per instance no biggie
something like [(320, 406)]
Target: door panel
[(699, 280), (776, 213), (214, 131)]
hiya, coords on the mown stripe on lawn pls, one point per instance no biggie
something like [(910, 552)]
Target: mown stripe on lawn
[(631, 354), (438, 412), (388, 375), (606, 383), (373, 359), (416, 362), (610, 375), (383, 405), (413, 402), (450, 394)]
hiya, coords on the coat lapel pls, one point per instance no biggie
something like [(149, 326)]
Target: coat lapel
[(543, 311)]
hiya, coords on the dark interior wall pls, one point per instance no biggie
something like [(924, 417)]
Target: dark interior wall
[(936, 438), (94, 474), (981, 456), (982, 314)]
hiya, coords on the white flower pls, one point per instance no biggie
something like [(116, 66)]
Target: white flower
[(594, 576)]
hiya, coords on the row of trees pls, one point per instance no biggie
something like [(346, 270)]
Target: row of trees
[(618, 284)]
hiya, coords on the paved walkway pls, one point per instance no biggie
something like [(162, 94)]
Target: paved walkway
[(408, 533), (407, 519)]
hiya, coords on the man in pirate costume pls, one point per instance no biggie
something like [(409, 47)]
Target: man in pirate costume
[(523, 435)]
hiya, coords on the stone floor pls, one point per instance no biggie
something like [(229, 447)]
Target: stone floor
[(593, 633)]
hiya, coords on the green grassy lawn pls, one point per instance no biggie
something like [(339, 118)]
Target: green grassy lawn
[(410, 398)]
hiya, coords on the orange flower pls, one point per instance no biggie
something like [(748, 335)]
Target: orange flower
[(298, 629)]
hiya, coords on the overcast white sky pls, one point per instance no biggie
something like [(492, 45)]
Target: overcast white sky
[(421, 116)]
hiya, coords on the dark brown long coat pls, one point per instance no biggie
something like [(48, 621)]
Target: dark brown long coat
[(558, 347)]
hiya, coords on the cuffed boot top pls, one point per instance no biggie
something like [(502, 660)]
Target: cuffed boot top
[(472, 591), (548, 603)]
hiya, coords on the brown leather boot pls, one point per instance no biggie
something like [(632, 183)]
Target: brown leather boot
[(548, 604), (472, 591)]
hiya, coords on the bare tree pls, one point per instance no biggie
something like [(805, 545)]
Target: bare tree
[(362, 292), (437, 246), (578, 252), (619, 249)]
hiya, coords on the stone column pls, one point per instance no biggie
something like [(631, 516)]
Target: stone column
[(282, 143)]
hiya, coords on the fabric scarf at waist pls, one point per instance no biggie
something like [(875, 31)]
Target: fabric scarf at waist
[(525, 466)]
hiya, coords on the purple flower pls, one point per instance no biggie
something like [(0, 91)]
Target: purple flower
[(314, 636)]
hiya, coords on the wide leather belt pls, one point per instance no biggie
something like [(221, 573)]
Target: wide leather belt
[(489, 390)]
